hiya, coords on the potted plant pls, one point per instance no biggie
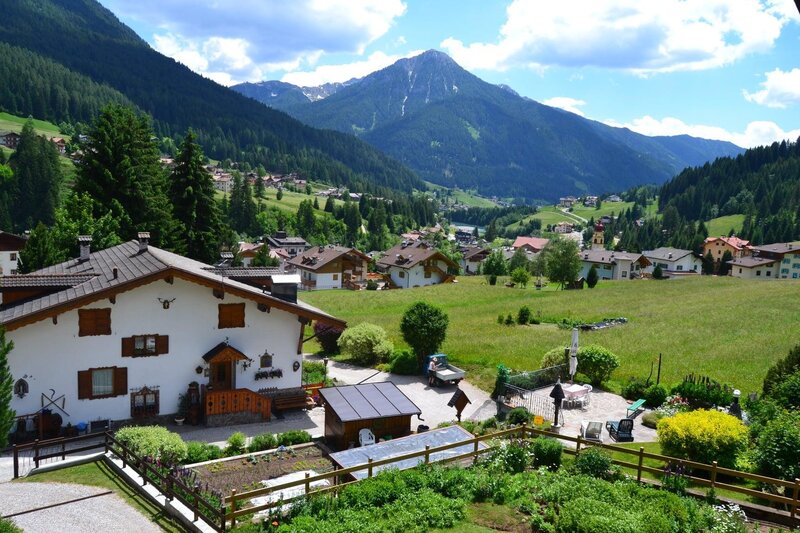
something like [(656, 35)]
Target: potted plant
[(183, 409)]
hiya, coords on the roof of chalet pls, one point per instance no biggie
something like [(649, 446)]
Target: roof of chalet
[(470, 252), (44, 280), (610, 257), (96, 279), (248, 249), (778, 248), (537, 243), (245, 272), (368, 401), (752, 262), (409, 255), (666, 253), (318, 256), (735, 242)]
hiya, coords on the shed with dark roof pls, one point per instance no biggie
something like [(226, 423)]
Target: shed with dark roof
[(380, 407)]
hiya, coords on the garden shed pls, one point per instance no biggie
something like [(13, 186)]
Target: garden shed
[(380, 407)]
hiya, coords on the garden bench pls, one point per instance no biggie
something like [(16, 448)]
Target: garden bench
[(290, 402), (634, 407)]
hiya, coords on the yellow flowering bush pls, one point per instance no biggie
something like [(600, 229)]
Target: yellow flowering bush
[(703, 436)]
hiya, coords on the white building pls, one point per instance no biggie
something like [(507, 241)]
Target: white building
[(10, 246), (119, 334), (416, 264), (769, 261), (613, 265), (331, 267), (673, 261)]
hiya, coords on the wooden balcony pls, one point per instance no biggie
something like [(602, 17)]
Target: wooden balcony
[(221, 402)]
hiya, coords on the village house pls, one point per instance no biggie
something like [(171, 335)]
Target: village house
[(249, 250), (223, 182), (719, 245), (530, 244), (769, 261), (613, 198), (673, 261), (471, 258), (291, 245), (120, 334), (590, 201), (10, 246), (11, 139), (563, 228), (567, 201), (331, 267), (416, 264), (60, 144), (613, 265)]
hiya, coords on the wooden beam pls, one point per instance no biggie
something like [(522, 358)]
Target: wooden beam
[(170, 279), (55, 319), (219, 293), (264, 307), (112, 298)]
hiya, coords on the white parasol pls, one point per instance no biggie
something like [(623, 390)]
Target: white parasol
[(573, 354)]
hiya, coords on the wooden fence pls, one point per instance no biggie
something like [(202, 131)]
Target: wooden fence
[(237, 401), (32, 454)]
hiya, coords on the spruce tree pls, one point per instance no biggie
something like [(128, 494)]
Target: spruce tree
[(120, 170), (40, 251), (592, 277), (329, 204), (724, 267), (196, 213), (6, 389)]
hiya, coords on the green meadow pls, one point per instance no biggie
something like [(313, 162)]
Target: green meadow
[(729, 329), (723, 225)]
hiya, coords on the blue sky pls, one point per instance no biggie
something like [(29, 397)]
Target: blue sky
[(722, 69)]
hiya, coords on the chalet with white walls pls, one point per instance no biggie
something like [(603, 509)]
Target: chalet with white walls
[(416, 264), (613, 265), (10, 246), (120, 334), (673, 261), (770, 261), (331, 267), (471, 258)]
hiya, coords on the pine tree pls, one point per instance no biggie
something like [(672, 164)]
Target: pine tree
[(316, 204), (306, 221), (194, 208), (6, 389), (724, 267), (592, 277), (279, 194), (120, 170), (708, 264), (242, 208), (40, 251), (259, 187), (329, 205), (491, 231), (352, 221)]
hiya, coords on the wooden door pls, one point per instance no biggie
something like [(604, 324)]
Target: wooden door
[(221, 376)]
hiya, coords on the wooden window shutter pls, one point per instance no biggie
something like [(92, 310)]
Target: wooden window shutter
[(231, 315), (120, 380), (103, 321), (84, 384), (162, 344), (94, 322), (127, 347)]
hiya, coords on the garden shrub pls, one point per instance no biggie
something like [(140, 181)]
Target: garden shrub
[(518, 415), (702, 392), (555, 357), (328, 337), (655, 395), (314, 372), (236, 444), (493, 279), (509, 320), (153, 441), (703, 436), (500, 319), (650, 419), (596, 363), (366, 344), (634, 389), (294, 437), (7, 526), (787, 393), (199, 452), (404, 363), (596, 463), (512, 457), (523, 315), (372, 285), (500, 381), (489, 424), (782, 369), (265, 441), (777, 453), (547, 453)]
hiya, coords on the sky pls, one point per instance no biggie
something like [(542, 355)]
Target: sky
[(719, 69)]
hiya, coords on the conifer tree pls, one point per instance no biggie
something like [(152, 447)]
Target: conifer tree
[(592, 277), (241, 208), (194, 208), (120, 170), (329, 204), (6, 389), (40, 251)]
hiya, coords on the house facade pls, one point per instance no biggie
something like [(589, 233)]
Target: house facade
[(769, 261), (673, 261), (719, 245), (416, 264), (292, 245), (119, 334), (10, 246), (613, 265), (471, 258), (331, 267)]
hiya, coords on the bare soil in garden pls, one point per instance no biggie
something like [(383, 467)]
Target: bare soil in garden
[(247, 473)]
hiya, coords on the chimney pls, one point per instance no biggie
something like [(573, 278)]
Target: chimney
[(321, 248), (85, 244), (144, 239), (670, 255)]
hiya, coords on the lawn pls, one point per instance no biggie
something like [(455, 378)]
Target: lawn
[(723, 225), (729, 329), (290, 201), (99, 474), (468, 198), (14, 123), (553, 215)]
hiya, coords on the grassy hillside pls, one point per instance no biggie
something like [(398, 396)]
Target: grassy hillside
[(10, 122), (551, 214), (729, 329), (723, 225)]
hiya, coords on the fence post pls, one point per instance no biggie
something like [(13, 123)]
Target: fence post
[(369, 467), (578, 446), (16, 461), (143, 464), (63, 451), (308, 485), (427, 453), (195, 493), (36, 453), (796, 494), (105, 440), (639, 469), (475, 443), (124, 458), (522, 430), (713, 474), (233, 507)]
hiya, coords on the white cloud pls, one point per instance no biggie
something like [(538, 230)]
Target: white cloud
[(243, 40), (756, 133), (780, 89), (639, 36), (345, 71), (566, 103)]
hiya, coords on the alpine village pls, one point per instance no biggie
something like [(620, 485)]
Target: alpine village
[(412, 301)]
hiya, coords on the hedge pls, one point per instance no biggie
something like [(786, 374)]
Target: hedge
[(703, 436)]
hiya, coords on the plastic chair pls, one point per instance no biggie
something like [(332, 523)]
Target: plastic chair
[(365, 437), (621, 431), (592, 431)]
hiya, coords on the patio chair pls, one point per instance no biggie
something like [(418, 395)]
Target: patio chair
[(592, 431), (365, 437), (621, 431)]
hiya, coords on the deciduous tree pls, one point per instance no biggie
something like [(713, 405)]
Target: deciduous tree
[(424, 328), (562, 262)]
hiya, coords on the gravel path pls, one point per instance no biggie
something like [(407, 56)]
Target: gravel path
[(97, 512)]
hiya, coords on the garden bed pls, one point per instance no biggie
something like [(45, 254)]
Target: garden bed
[(247, 471)]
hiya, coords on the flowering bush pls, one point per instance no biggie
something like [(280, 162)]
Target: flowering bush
[(703, 436), (729, 518), (672, 405), (674, 479)]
